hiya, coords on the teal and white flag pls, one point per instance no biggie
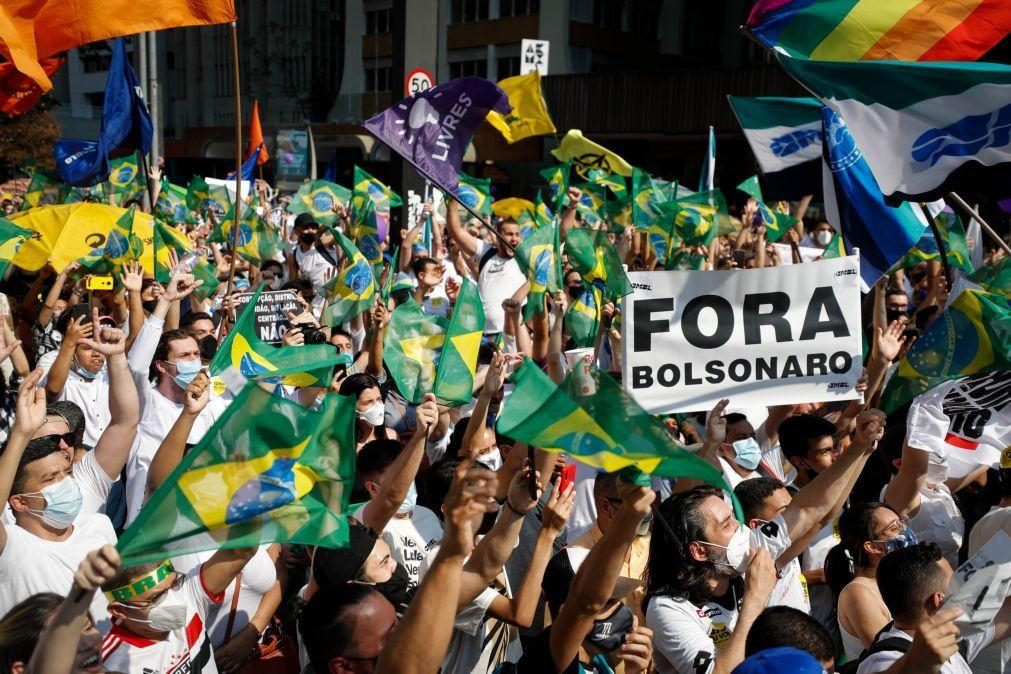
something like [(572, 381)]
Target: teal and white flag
[(924, 128), (785, 137), (707, 178)]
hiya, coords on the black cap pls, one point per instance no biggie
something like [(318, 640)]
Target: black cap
[(304, 219), (333, 568)]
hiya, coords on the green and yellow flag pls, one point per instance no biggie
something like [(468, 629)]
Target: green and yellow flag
[(121, 245), (558, 181), (475, 194), (776, 223), (318, 198), (529, 116), (512, 208), (353, 290), (42, 191), (647, 194), (11, 238), (171, 205), (268, 471), (661, 235), (369, 188), (835, 248), (586, 155), (972, 335), (955, 244), (606, 429), (256, 242), (126, 181), (428, 354), (685, 260), (168, 239), (365, 231), (201, 197), (592, 255), (73, 195), (303, 365), (539, 258), (995, 278), (702, 217), (592, 205), (582, 318)]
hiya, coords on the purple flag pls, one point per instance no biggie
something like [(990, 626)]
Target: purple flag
[(1005, 205), (432, 129)]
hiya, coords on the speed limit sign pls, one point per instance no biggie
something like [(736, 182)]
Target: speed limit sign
[(418, 80)]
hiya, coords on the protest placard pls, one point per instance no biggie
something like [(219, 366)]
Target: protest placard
[(271, 312), (759, 337), (980, 586)]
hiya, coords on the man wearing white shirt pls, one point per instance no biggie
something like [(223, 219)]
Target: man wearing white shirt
[(309, 257)]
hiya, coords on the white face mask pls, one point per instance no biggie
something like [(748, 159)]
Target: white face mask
[(824, 237), (169, 615), (375, 414), (492, 458), (410, 501), (737, 550)]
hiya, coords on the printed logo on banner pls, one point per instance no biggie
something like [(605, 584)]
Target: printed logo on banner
[(793, 142), (966, 137), (971, 407)]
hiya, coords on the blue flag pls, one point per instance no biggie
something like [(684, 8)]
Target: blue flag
[(248, 166), (432, 129), (854, 203), (125, 123), (331, 169)]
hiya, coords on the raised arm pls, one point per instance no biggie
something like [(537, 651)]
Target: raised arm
[(903, 491), (132, 279), (49, 306), (29, 416), (377, 335), (464, 239), (567, 218), (113, 449), (10, 347), (218, 572), (173, 447), (57, 379)]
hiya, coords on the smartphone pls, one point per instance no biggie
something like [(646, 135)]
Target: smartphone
[(568, 477), (739, 257), (99, 283)]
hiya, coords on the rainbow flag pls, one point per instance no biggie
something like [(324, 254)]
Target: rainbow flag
[(874, 30)]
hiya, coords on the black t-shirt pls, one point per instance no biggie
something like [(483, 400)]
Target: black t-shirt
[(537, 658)]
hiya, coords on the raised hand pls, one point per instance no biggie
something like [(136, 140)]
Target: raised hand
[(557, 510), (870, 427), (78, 330), (716, 425), (132, 277), (97, 568), (180, 286), (889, 342), (197, 394), (7, 349), (427, 414), (638, 498), (637, 651), (496, 374), (380, 315), (110, 342), (519, 498), (470, 497), (30, 410)]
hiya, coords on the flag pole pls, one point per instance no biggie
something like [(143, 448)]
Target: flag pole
[(238, 165), (941, 250), (982, 223)]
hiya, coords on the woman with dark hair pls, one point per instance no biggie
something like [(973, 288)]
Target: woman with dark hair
[(868, 531), (369, 408)]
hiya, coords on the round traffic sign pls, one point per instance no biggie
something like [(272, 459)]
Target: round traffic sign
[(418, 80)]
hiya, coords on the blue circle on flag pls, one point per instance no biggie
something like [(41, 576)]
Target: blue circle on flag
[(930, 355), (659, 244), (124, 174), (542, 267), (180, 212), (359, 277), (116, 246), (468, 196), (245, 235), (263, 493), (369, 245), (322, 201)]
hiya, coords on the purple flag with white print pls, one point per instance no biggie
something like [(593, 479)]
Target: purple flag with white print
[(432, 128)]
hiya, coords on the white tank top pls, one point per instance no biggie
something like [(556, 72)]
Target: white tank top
[(852, 645)]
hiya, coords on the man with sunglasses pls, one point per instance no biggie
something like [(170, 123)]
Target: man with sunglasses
[(160, 615)]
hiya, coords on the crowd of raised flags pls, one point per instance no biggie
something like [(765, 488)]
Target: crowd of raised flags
[(435, 467)]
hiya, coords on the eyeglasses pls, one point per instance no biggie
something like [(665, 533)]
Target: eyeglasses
[(895, 528), (156, 599), (70, 439)]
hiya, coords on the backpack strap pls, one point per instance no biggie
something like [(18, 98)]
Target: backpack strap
[(485, 259)]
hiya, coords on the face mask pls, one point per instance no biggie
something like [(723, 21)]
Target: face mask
[(168, 616), (894, 314), (149, 305), (307, 238), (63, 503), (375, 414), (397, 589), (186, 372), (747, 453), (492, 458), (274, 284), (737, 550), (607, 635), (87, 374), (824, 237), (410, 501), (903, 540), (575, 291)]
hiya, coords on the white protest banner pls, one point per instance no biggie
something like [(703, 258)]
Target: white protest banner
[(759, 336), (980, 586), (271, 312), (807, 253)]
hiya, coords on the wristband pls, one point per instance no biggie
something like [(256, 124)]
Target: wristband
[(510, 506)]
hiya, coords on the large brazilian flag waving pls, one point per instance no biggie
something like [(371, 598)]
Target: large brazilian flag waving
[(269, 471)]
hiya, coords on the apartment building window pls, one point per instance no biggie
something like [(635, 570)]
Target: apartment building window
[(379, 21), (507, 67), (609, 14), (518, 7), (377, 79), (476, 68), (468, 11)]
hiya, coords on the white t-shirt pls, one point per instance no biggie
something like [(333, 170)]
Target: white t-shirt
[(92, 396), (956, 664), (938, 520), (790, 588), (411, 539), (186, 650), (29, 564), (313, 265), (497, 281), (687, 638)]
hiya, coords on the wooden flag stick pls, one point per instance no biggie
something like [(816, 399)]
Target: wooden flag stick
[(238, 162), (982, 223)]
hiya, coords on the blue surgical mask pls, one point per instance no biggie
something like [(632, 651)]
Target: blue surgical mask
[(747, 453), (186, 372), (87, 374), (903, 540), (410, 501), (63, 503)]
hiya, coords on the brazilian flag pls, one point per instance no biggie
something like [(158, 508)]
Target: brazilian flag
[(201, 197), (391, 274), (647, 194), (365, 231), (303, 365), (11, 238), (582, 318), (701, 217), (592, 204), (475, 194), (592, 255), (318, 198), (42, 191), (126, 181), (835, 248), (171, 205), (353, 290), (660, 235), (72, 194), (539, 258), (370, 189), (612, 181), (955, 244), (684, 260), (776, 223), (995, 278), (972, 335), (527, 223), (268, 471), (121, 245), (428, 354), (256, 241), (606, 429), (168, 238), (558, 180)]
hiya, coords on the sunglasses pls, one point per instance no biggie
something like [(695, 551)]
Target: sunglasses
[(69, 438)]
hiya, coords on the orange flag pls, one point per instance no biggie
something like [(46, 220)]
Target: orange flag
[(18, 92), (256, 136), (33, 29)]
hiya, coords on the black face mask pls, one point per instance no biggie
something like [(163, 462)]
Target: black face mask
[(396, 589), (607, 635), (574, 291), (307, 238), (894, 314), (208, 347), (149, 305)]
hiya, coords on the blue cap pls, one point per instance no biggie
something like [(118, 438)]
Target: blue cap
[(779, 661)]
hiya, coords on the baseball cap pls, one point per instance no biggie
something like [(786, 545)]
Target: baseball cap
[(304, 219), (332, 568), (779, 660)]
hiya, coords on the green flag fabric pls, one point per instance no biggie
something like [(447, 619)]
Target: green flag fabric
[(353, 290), (256, 241), (592, 255), (126, 181), (42, 191), (168, 238), (171, 205), (702, 217), (593, 420), (268, 471), (454, 378), (318, 198), (201, 197), (995, 278), (557, 178), (582, 317), (475, 193), (835, 248), (538, 258), (121, 245), (11, 238)]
